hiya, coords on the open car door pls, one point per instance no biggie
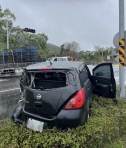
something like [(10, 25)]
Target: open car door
[(103, 80)]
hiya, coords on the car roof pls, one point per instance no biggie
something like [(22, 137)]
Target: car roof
[(56, 65)]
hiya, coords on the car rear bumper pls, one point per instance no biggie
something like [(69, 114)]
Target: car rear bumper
[(65, 118)]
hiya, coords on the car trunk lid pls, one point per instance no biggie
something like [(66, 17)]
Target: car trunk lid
[(47, 102)]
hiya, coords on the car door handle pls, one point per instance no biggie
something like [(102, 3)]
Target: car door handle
[(88, 88)]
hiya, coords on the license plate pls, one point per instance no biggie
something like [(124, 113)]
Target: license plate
[(35, 125)]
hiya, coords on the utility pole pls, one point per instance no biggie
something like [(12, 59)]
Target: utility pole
[(7, 34), (102, 53), (121, 49)]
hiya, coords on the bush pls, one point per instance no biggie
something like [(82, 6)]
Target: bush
[(104, 129)]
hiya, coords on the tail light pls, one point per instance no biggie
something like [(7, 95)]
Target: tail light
[(77, 101)]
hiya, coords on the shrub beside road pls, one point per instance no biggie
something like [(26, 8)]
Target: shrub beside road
[(105, 128)]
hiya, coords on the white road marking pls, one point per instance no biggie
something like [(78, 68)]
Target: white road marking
[(9, 90), (3, 80)]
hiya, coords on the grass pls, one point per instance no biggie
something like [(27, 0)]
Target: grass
[(106, 128)]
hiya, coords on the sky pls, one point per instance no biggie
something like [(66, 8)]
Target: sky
[(88, 22)]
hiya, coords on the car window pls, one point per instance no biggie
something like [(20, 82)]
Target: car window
[(103, 71), (83, 75), (87, 71), (64, 59), (59, 59)]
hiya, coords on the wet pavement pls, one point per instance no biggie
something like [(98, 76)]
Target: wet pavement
[(9, 83), (9, 95)]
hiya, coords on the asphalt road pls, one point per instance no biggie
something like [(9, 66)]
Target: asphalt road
[(9, 95), (9, 92)]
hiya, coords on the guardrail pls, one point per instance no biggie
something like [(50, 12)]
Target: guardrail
[(15, 65), (21, 65)]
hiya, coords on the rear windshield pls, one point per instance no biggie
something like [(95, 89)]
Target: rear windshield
[(49, 80)]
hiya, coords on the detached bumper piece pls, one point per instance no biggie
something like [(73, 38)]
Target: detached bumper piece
[(18, 115)]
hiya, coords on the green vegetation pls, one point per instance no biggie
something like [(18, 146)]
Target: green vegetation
[(5, 15), (18, 38), (98, 55), (53, 50), (53, 47), (106, 128)]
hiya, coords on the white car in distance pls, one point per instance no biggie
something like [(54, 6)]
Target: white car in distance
[(54, 59)]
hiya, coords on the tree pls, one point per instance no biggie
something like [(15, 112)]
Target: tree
[(101, 53), (18, 38), (40, 41), (5, 15), (70, 49)]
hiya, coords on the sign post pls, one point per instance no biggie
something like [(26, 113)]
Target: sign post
[(121, 49), (7, 35)]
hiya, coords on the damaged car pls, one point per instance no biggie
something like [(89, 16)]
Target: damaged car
[(60, 93)]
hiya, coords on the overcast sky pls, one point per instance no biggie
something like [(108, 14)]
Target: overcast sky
[(88, 22)]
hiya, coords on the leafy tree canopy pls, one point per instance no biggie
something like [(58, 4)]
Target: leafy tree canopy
[(18, 38)]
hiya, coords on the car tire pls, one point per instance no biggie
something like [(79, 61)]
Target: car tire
[(86, 112)]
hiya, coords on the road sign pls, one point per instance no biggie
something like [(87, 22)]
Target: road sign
[(108, 57), (116, 39)]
